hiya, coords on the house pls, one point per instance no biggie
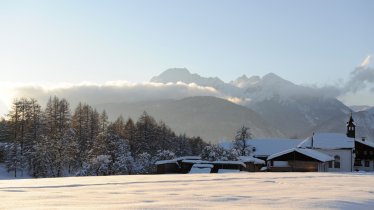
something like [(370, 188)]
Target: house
[(332, 152), (364, 155), (337, 145), (299, 160)]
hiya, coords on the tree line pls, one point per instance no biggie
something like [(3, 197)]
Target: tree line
[(55, 142)]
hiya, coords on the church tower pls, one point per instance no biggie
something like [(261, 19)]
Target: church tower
[(351, 128)]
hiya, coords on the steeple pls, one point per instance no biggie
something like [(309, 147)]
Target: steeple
[(351, 128)]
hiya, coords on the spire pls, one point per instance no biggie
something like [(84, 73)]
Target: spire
[(351, 127)]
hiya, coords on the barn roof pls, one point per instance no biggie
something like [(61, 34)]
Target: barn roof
[(307, 152)]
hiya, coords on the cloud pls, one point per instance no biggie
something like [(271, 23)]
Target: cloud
[(366, 62), (361, 78), (115, 91)]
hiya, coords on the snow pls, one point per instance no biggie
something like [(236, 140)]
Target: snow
[(175, 160), (266, 147), (308, 152), (251, 159), (230, 163), (366, 142), (193, 191), (328, 141), (160, 162), (223, 171), (201, 168)]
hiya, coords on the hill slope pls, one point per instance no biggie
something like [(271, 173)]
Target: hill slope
[(211, 118)]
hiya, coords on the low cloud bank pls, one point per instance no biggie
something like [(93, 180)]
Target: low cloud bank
[(117, 91)]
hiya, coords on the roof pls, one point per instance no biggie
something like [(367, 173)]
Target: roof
[(328, 141), (366, 142), (229, 163), (175, 160), (188, 158), (214, 162), (197, 165), (160, 162), (251, 159), (266, 147), (195, 161), (307, 152)]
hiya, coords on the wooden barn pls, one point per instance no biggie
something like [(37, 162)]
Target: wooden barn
[(299, 160), (167, 167)]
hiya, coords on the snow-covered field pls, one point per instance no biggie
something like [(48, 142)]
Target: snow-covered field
[(194, 191)]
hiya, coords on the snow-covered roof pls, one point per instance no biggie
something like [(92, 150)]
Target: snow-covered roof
[(251, 159), (328, 141), (195, 161), (366, 142), (188, 158), (165, 162), (175, 160), (229, 162), (214, 162), (266, 147), (197, 165), (308, 152)]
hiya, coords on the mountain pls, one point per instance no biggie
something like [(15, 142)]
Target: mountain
[(290, 108), (364, 121), (183, 75), (358, 108), (211, 118)]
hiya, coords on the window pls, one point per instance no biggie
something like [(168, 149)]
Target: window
[(365, 152), (358, 162), (367, 163), (330, 164), (337, 161)]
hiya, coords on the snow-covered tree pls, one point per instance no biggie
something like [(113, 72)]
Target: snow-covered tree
[(240, 141), (98, 166), (215, 153)]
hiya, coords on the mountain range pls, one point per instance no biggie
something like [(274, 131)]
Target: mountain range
[(270, 105)]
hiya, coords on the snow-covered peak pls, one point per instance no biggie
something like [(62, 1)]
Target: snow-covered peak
[(183, 75), (245, 82)]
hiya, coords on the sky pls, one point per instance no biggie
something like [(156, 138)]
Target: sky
[(307, 42)]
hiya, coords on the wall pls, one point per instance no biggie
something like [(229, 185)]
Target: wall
[(346, 159)]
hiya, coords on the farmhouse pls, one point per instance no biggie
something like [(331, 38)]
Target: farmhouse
[(364, 155)]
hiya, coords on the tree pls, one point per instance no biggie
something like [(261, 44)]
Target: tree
[(145, 135), (240, 142), (59, 141), (217, 153)]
